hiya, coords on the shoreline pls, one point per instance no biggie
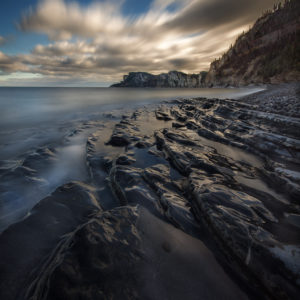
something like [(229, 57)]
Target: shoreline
[(218, 175)]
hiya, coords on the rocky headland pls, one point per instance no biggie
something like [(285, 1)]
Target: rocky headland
[(172, 79), (193, 198)]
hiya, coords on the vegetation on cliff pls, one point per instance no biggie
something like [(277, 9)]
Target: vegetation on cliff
[(268, 53)]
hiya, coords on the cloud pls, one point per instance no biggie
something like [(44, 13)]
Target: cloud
[(61, 20), (206, 14), (9, 64), (3, 40), (97, 42)]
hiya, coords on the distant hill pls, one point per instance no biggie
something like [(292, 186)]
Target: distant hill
[(268, 53), (171, 79)]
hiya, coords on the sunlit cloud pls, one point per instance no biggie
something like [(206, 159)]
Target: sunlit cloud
[(9, 64), (98, 42), (61, 21)]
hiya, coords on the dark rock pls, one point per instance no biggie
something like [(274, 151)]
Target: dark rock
[(171, 79), (177, 125), (119, 140), (25, 245), (125, 160), (161, 115), (102, 262), (116, 254), (237, 220), (224, 178), (143, 144), (129, 187), (124, 133)]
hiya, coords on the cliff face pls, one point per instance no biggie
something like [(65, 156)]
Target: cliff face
[(268, 53), (171, 79)]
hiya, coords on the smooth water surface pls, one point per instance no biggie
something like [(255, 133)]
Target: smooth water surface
[(34, 121), (24, 110)]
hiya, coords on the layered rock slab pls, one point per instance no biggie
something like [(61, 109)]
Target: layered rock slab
[(222, 195), (27, 244), (127, 253), (191, 209)]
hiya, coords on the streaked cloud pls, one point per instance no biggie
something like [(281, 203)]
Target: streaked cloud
[(9, 64), (207, 14), (98, 42), (61, 20), (3, 40)]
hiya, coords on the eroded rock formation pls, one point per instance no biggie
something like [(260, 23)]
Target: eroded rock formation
[(172, 79), (196, 198)]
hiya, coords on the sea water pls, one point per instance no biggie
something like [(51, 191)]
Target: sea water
[(42, 118)]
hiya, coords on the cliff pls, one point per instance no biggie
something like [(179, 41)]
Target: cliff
[(171, 79), (268, 53)]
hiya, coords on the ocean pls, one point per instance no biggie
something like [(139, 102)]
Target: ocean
[(37, 121)]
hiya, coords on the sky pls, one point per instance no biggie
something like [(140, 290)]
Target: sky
[(94, 43)]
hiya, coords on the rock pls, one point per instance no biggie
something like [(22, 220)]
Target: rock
[(125, 160), (129, 187), (124, 133), (102, 261), (208, 207), (186, 154), (25, 245), (237, 220), (172, 205), (143, 144), (117, 252), (39, 157), (177, 125), (163, 115), (171, 79)]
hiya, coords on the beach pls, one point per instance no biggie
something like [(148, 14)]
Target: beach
[(178, 198)]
